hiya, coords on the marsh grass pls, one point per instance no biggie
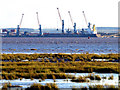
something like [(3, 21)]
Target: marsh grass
[(97, 77), (8, 86), (93, 77), (97, 87), (48, 86), (44, 70), (62, 57), (57, 68), (80, 79), (101, 87), (111, 77), (104, 77)]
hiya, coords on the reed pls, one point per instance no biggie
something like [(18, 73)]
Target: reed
[(48, 86), (35, 69), (6, 85), (93, 77), (101, 87), (80, 79), (68, 57), (111, 77)]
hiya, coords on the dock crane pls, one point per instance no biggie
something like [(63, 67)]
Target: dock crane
[(85, 18), (70, 17), (72, 22), (18, 26), (40, 33), (62, 21), (88, 24)]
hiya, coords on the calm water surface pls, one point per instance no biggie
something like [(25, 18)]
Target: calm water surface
[(59, 45)]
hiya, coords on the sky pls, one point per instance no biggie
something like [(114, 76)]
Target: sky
[(102, 13)]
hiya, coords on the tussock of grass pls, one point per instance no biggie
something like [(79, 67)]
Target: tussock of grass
[(48, 86), (101, 87), (93, 77), (111, 77), (80, 79), (8, 86)]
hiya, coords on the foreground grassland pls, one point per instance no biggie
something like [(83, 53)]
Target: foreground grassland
[(55, 65), (60, 57), (53, 86)]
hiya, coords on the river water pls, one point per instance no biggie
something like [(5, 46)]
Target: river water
[(59, 45)]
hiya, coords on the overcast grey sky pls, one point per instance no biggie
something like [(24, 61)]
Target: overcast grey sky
[(98, 12)]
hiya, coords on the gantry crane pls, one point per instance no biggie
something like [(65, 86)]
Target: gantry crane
[(62, 21)]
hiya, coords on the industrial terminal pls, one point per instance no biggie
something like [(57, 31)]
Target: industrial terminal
[(90, 31)]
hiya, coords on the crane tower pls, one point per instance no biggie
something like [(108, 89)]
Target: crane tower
[(72, 22), (62, 21), (88, 24), (40, 31), (18, 26)]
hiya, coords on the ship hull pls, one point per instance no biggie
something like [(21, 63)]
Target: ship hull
[(70, 35), (59, 35)]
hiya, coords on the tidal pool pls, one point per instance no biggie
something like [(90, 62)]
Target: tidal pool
[(66, 83)]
